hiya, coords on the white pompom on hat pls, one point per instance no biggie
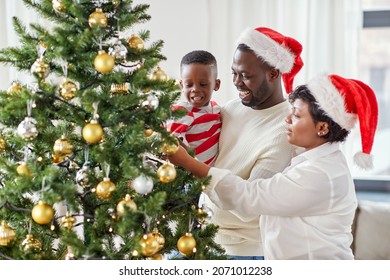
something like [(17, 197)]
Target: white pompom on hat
[(277, 50), (346, 101)]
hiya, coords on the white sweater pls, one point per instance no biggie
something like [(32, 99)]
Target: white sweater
[(253, 144)]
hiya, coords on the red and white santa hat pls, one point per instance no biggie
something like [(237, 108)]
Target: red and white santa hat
[(277, 50), (347, 101)]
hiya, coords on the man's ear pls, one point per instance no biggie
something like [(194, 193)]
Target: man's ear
[(217, 84), (274, 74)]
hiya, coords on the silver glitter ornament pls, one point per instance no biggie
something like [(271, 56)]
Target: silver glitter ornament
[(118, 51), (82, 176), (151, 102), (27, 129)]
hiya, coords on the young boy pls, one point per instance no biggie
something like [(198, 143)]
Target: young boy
[(200, 128)]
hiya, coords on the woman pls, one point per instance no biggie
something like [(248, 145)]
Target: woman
[(307, 210)]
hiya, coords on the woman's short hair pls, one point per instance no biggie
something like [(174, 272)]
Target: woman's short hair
[(336, 132)]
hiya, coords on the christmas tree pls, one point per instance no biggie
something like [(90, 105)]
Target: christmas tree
[(83, 169)]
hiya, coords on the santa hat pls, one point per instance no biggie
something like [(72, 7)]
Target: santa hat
[(277, 50), (346, 101)]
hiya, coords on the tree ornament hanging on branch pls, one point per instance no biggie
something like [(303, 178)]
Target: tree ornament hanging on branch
[(151, 103), (58, 6), (142, 184), (159, 75), (15, 88), (42, 213), (135, 43), (3, 144), (31, 243), (62, 147), (126, 202), (186, 244), (149, 245), (105, 187), (103, 62), (93, 131), (97, 18), (67, 89), (68, 221), (7, 234), (27, 128), (166, 172)]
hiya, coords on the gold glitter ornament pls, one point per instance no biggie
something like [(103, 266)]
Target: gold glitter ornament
[(14, 88), (159, 74), (105, 188), (97, 18), (149, 245), (23, 170), (62, 147), (155, 257), (40, 68), (58, 6), (67, 89), (159, 237), (170, 148), (7, 234), (42, 213), (103, 62), (122, 88), (92, 132), (31, 243), (186, 244), (68, 221), (126, 202), (166, 172), (135, 42), (3, 144)]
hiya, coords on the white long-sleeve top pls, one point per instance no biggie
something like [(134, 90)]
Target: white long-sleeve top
[(252, 144), (306, 211)]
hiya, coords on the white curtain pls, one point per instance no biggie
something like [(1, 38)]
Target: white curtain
[(327, 29)]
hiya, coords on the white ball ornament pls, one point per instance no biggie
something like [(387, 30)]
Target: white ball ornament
[(142, 184)]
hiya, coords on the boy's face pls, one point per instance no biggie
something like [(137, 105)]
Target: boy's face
[(198, 81)]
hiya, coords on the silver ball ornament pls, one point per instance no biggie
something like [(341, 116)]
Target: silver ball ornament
[(151, 102), (27, 129), (118, 51), (82, 176)]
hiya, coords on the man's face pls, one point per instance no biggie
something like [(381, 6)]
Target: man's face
[(250, 79)]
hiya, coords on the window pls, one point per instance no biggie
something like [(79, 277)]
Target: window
[(374, 69)]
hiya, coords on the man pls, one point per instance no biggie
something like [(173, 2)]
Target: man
[(252, 141)]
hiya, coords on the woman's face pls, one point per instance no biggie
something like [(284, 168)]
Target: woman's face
[(301, 129)]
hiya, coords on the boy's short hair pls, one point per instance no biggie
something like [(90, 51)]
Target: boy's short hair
[(199, 56)]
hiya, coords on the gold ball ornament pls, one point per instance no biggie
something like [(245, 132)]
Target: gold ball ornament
[(105, 188), (40, 68), (58, 6), (166, 172), (155, 257), (7, 234), (15, 88), (92, 132), (3, 144), (159, 237), (31, 243), (97, 18), (149, 245), (67, 89), (135, 42), (42, 213), (170, 148), (68, 221), (23, 170), (103, 62), (126, 202), (62, 147), (148, 132), (159, 74), (186, 244)]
